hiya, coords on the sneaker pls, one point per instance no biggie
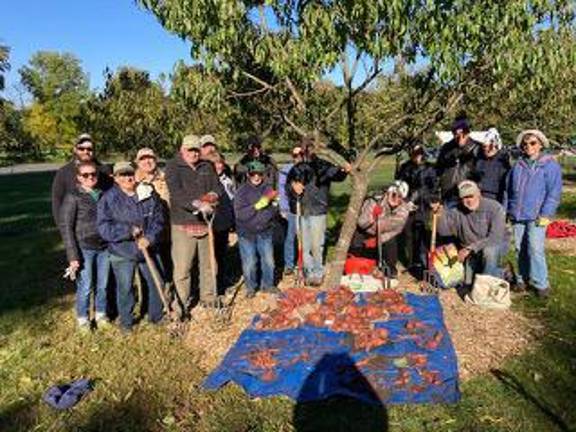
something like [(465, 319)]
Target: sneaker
[(543, 293), (271, 290), (518, 287), (125, 331), (84, 329), (314, 281), (103, 324)]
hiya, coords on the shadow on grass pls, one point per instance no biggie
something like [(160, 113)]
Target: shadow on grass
[(514, 384), (19, 416), (339, 413), (137, 413)]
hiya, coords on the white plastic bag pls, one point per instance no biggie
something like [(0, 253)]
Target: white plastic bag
[(490, 292)]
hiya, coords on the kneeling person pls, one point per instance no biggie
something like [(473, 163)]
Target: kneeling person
[(478, 224), (130, 225), (255, 213), (385, 217)]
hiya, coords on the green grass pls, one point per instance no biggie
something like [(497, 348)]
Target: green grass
[(149, 382)]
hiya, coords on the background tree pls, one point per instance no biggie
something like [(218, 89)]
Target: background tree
[(59, 87), (4, 65), (131, 112), (438, 49)]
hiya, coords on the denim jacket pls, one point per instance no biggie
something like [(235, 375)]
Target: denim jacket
[(533, 189), (119, 213)]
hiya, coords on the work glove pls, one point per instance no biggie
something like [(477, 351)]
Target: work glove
[(202, 207), (262, 203), (371, 243), (271, 194), (376, 211), (543, 221), (210, 198)]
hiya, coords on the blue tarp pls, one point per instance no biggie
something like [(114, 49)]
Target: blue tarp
[(317, 363)]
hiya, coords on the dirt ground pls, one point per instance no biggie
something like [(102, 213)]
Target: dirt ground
[(483, 339)]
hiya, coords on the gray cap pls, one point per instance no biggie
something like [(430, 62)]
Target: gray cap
[(122, 167), (537, 133), (191, 141), (468, 188)]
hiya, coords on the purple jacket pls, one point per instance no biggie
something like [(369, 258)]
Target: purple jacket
[(533, 190), (282, 176), (250, 221)]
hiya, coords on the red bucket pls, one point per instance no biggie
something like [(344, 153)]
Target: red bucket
[(359, 265)]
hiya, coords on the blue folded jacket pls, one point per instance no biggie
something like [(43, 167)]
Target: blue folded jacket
[(67, 395)]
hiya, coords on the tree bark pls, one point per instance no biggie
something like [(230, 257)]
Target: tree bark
[(336, 266)]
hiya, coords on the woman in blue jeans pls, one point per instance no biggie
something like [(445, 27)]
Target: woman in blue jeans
[(85, 249), (131, 223), (255, 209), (534, 189)]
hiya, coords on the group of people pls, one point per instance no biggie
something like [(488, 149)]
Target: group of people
[(180, 219), (479, 199)]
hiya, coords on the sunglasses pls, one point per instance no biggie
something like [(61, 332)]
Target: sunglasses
[(126, 174), (531, 143), (86, 175), (193, 150), (84, 149), (254, 174)]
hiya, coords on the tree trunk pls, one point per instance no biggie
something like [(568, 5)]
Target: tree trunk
[(336, 267)]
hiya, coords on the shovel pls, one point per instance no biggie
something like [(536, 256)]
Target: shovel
[(300, 252), (157, 280)]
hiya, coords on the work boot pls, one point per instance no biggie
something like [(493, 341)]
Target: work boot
[(543, 293), (271, 290)]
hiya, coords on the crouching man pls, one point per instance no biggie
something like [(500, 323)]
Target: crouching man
[(383, 217), (130, 224), (478, 226)]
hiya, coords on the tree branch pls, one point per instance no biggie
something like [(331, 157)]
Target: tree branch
[(300, 105)]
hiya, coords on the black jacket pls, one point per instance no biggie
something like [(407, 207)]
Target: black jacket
[(187, 184), (249, 221), (491, 175), (241, 169), (78, 224), (456, 164), (316, 175), (65, 182), (423, 183)]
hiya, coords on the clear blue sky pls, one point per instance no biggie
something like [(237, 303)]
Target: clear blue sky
[(99, 32)]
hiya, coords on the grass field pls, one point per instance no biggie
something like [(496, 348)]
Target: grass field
[(149, 382)]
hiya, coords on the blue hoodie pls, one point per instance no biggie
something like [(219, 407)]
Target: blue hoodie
[(533, 189), (118, 213)]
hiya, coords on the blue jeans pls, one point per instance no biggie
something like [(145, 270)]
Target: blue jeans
[(251, 248), (289, 239), (486, 261), (124, 273), (529, 243), (313, 236), (86, 278)]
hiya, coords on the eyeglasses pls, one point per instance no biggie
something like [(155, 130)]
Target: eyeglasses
[(253, 174), (85, 149), (531, 143), (193, 150), (86, 175), (126, 174)]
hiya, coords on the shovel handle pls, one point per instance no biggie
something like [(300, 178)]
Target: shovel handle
[(155, 277), (434, 229)]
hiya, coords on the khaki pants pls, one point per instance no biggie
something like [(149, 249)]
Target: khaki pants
[(184, 249)]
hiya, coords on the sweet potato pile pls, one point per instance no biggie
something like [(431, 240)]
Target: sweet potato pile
[(338, 311), (264, 360)]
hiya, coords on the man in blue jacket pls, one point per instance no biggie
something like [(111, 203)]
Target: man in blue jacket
[(534, 189), (255, 210), (308, 186), (131, 224)]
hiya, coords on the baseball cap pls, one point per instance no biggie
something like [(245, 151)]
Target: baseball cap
[(256, 167), (207, 140), (83, 138), (190, 142), (468, 188), (145, 151), (297, 150), (122, 167)]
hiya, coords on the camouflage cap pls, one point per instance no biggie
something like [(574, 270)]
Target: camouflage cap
[(256, 167), (191, 141), (122, 167)]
